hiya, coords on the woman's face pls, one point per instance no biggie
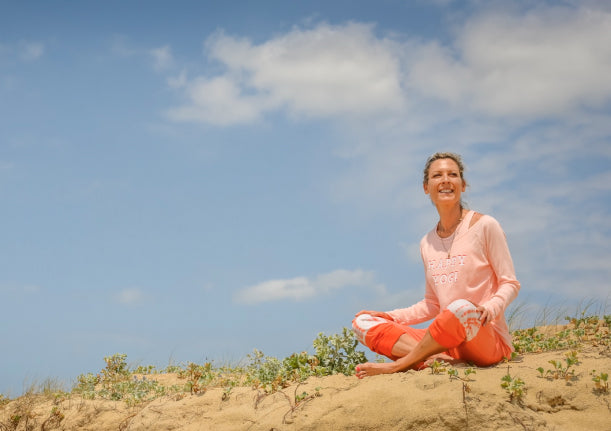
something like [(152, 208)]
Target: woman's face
[(445, 184)]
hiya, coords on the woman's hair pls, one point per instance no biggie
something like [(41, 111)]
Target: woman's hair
[(438, 156)]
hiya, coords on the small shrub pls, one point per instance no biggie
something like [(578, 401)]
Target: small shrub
[(300, 366), (86, 385), (514, 387), (229, 378), (134, 391), (454, 374), (116, 382), (337, 353), (198, 377), (265, 372), (334, 354), (149, 369), (439, 367), (468, 372), (563, 369), (116, 368), (600, 381), (172, 368)]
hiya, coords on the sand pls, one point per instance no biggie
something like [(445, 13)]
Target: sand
[(414, 400)]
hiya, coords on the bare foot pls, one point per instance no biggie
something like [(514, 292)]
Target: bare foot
[(371, 369)]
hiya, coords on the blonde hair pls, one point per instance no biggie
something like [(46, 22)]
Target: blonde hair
[(438, 156)]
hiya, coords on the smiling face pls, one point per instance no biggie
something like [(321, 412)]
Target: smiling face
[(444, 183)]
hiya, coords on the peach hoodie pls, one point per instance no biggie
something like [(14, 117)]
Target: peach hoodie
[(479, 269)]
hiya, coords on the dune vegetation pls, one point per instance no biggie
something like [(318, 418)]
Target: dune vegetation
[(559, 372)]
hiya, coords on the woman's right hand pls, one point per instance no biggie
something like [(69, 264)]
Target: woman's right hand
[(381, 314)]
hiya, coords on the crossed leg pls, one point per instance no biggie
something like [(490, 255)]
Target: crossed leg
[(406, 344), (458, 327), (408, 353)]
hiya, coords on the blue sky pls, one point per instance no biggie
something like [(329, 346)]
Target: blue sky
[(188, 181)]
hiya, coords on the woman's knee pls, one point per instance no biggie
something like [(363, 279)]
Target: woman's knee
[(361, 324), (457, 323), (467, 315), (364, 322), (461, 305)]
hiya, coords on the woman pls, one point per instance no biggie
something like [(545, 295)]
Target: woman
[(470, 280)]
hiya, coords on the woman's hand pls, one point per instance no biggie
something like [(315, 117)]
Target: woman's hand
[(486, 316), (381, 314)]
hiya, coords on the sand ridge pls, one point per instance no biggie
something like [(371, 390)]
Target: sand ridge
[(414, 400)]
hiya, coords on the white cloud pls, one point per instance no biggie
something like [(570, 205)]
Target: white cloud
[(162, 57), (300, 288), (514, 89), (326, 71), (129, 296), (547, 62), (219, 101)]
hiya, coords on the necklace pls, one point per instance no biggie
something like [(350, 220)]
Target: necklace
[(443, 243), (453, 236)]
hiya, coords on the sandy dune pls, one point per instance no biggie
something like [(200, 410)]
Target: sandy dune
[(415, 400)]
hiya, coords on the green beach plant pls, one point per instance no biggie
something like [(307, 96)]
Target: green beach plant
[(454, 374), (148, 369), (264, 372), (601, 382), (514, 387), (577, 330), (86, 385), (338, 354), (116, 382), (116, 368), (198, 377), (438, 366), (562, 369)]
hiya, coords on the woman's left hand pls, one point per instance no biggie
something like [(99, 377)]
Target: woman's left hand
[(486, 316)]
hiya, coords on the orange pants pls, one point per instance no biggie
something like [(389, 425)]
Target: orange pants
[(457, 328)]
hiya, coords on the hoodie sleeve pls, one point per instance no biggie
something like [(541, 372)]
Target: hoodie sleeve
[(421, 311), (500, 260)]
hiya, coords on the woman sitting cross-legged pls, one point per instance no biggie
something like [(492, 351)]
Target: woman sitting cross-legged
[(470, 281)]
